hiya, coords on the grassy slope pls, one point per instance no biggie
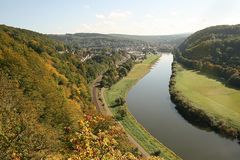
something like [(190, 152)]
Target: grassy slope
[(149, 143), (210, 95)]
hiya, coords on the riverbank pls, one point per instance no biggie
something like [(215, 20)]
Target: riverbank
[(205, 102), (120, 89), (101, 106)]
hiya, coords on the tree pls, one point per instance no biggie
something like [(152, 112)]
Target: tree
[(120, 101), (121, 113), (99, 144), (156, 153), (122, 72), (109, 78)]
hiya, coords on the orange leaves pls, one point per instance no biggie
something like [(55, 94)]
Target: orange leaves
[(15, 156)]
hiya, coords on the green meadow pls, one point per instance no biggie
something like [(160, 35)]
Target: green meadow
[(210, 95)]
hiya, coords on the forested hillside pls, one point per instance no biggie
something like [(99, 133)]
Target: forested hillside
[(163, 43), (162, 40), (96, 41), (45, 104), (34, 92), (215, 50)]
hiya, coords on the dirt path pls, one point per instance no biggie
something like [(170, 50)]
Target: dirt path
[(131, 139), (96, 92), (99, 101)]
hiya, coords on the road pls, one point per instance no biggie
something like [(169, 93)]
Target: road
[(99, 101), (95, 93)]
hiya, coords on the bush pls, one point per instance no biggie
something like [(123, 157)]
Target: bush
[(121, 113), (120, 101), (156, 153)]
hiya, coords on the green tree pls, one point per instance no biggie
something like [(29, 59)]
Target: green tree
[(122, 72), (120, 101)]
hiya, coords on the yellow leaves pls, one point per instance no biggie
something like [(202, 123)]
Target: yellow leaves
[(54, 156), (81, 122), (114, 142), (101, 145), (90, 145), (106, 141), (129, 156), (51, 69), (155, 158)]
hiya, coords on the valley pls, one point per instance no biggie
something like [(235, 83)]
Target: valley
[(117, 96)]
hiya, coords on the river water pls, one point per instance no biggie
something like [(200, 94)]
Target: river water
[(149, 102)]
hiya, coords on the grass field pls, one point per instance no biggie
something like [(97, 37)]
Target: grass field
[(120, 89), (210, 95)]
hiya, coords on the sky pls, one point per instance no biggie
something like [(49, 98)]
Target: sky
[(137, 17)]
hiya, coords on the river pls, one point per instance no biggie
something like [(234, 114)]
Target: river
[(149, 102)]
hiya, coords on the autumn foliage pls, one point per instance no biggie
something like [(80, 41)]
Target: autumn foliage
[(98, 143), (44, 92)]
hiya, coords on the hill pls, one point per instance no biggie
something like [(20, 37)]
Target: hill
[(45, 104), (96, 41), (215, 50), (134, 42), (34, 100), (174, 40)]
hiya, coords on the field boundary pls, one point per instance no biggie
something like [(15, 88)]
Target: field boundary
[(195, 115)]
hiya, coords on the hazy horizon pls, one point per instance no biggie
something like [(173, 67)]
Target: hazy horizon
[(131, 17), (120, 34)]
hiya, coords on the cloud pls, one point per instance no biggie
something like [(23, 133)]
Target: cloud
[(119, 14), (171, 22), (111, 22), (100, 16), (115, 15), (104, 26), (122, 22)]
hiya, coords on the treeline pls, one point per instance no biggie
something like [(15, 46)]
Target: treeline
[(197, 116), (214, 50), (115, 73), (118, 41), (229, 74), (99, 41)]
